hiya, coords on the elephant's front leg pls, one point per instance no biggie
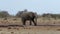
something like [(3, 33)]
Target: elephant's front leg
[(34, 23), (24, 21)]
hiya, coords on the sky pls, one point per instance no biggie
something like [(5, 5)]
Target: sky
[(38, 6)]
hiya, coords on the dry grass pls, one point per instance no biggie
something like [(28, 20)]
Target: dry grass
[(39, 21), (45, 26)]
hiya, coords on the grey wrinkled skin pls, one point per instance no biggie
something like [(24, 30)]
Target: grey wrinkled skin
[(32, 17)]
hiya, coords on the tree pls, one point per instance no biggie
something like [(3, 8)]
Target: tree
[(4, 14), (20, 12)]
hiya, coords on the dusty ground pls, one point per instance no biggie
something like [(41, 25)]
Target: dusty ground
[(30, 30), (44, 27)]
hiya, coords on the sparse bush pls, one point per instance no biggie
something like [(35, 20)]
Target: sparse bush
[(55, 16), (5, 18), (4, 14), (14, 19)]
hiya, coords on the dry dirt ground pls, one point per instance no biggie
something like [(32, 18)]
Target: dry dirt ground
[(30, 30), (44, 27)]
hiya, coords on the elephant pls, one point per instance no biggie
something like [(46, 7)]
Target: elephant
[(31, 16)]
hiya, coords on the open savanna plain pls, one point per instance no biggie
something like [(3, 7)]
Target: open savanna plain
[(44, 26)]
